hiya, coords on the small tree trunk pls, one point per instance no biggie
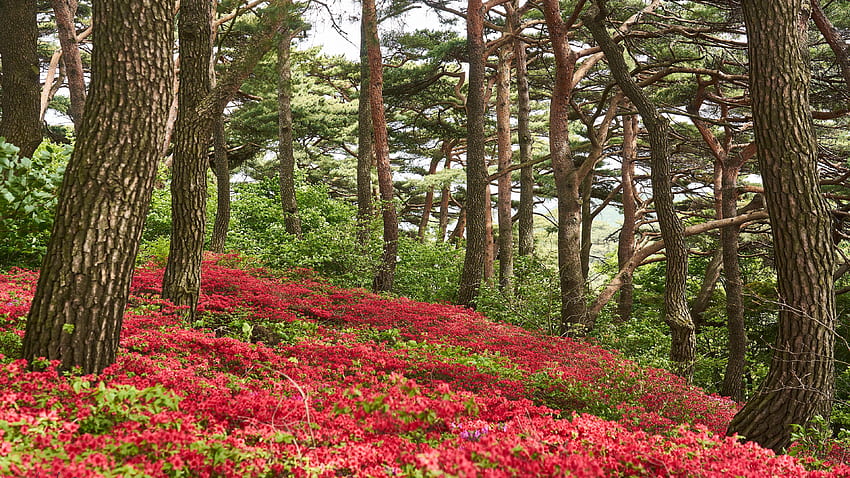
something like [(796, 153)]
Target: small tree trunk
[(222, 181), (460, 227), (445, 197), (65, 10), (505, 153), (626, 244), (706, 290), (586, 225), (386, 271), (286, 156), (20, 86), (429, 201), (78, 307)]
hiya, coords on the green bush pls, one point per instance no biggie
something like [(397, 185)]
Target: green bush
[(28, 192)]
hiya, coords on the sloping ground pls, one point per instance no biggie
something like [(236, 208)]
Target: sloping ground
[(346, 383)]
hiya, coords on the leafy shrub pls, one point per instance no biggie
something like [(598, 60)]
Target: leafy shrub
[(28, 193)]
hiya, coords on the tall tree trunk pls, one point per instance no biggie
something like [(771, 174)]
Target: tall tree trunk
[(20, 87), (82, 292), (476, 165), (221, 165), (64, 11), (286, 156), (626, 243), (182, 280), (385, 274), (505, 153), (733, 380), (800, 382), (586, 224), (676, 312), (525, 212), (567, 181), (365, 148)]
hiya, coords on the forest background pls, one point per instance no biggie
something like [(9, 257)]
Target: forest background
[(476, 173)]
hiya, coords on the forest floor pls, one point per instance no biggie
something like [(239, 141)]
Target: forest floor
[(289, 376)]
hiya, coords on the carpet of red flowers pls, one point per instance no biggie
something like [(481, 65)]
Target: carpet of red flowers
[(288, 376)]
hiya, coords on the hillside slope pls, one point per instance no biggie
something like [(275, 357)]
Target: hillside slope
[(345, 383)]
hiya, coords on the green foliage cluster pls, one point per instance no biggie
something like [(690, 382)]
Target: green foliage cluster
[(28, 190)]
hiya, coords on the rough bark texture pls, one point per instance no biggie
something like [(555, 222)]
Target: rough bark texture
[(365, 149), (20, 87), (833, 38), (429, 198), (567, 180), (505, 153), (525, 211), (385, 274), (221, 165), (676, 312), (64, 11), (79, 304), (733, 380), (286, 156), (626, 243), (476, 165), (182, 280), (799, 384), (445, 197)]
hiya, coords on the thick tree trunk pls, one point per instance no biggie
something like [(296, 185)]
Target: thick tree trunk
[(286, 156), (20, 87), (505, 153), (799, 384), (365, 149), (525, 212), (64, 11), (626, 243), (676, 313), (385, 274), (567, 180), (476, 165), (221, 166), (182, 280), (82, 292)]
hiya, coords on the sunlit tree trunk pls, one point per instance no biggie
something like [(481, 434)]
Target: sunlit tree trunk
[(800, 382), (82, 292)]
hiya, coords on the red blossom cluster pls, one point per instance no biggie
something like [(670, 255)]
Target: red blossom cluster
[(355, 385)]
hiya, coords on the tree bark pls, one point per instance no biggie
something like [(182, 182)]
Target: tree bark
[(833, 38), (82, 292), (799, 384), (505, 153), (20, 87), (385, 274), (626, 243), (192, 132), (525, 212), (286, 155), (567, 180), (429, 198), (221, 165), (445, 197), (676, 312), (733, 380), (64, 11), (365, 148), (476, 165)]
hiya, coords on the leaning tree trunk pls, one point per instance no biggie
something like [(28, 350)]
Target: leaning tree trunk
[(476, 166), (799, 384), (182, 280), (82, 292), (20, 87), (64, 11), (676, 312), (385, 274), (567, 181), (286, 155)]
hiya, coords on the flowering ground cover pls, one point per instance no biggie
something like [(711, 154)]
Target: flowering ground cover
[(288, 376)]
